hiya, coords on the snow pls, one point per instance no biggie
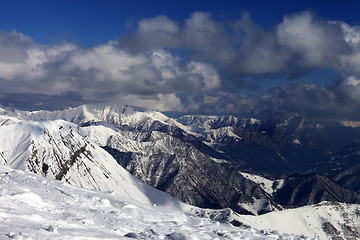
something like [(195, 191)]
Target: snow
[(265, 184), (204, 122), (257, 206), (114, 115), (354, 124), (104, 136), (32, 207), (214, 135), (254, 121), (216, 129), (6, 120), (110, 114), (309, 220), (218, 160), (29, 146)]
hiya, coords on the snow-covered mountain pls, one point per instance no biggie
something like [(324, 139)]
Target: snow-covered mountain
[(153, 155), (270, 147), (217, 129), (178, 168), (343, 167), (181, 156), (32, 207), (277, 146), (196, 159), (326, 220), (301, 190), (113, 115), (60, 150)]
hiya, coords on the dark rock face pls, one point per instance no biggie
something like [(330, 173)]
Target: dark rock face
[(301, 190), (331, 231), (293, 145), (192, 177), (343, 167), (278, 146), (184, 166)]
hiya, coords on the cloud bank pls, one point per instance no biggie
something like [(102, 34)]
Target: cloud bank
[(202, 64)]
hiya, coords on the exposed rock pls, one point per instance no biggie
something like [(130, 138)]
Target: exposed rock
[(301, 190), (343, 167), (179, 169)]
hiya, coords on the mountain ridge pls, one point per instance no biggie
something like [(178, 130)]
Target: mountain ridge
[(60, 150), (147, 143), (200, 160)]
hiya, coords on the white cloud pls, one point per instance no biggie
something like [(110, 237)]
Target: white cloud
[(106, 62), (259, 51), (165, 63), (200, 36), (207, 38), (316, 42), (351, 81), (13, 47), (163, 60), (349, 89), (101, 72), (153, 33), (351, 33), (158, 24), (33, 69), (208, 77), (351, 64), (159, 102)]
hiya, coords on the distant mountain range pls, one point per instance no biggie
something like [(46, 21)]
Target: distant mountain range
[(252, 166)]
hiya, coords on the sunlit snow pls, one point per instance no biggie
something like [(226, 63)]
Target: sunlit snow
[(32, 207)]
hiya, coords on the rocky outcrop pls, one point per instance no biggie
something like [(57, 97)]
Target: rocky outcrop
[(343, 167), (60, 150), (301, 190), (179, 169), (281, 145)]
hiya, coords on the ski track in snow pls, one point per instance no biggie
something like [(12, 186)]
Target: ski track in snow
[(32, 207)]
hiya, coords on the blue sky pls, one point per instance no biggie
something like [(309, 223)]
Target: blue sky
[(91, 22), (247, 58)]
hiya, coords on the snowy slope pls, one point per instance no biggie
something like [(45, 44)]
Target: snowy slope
[(179, 169), (60, 150), (322, 221), (202, 122), (7, 120), (116, 115), (32, 207), (269, 186), (217, 129), (123, 141), (113, 115)]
